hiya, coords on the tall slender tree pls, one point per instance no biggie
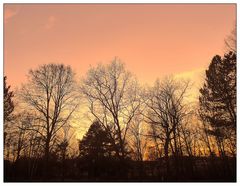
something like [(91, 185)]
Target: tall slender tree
[(231, 41), (218, 100), (8, 106), (113, 100), (51, 94), (166, 111), (8, 102)]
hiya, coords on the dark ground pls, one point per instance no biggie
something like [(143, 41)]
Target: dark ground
[(204, 169)]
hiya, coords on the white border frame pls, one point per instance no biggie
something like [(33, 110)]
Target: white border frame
[(105, 1)]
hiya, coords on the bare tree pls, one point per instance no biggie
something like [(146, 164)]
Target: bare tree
[(231, 41), (166, 112), (51, 94), (19, 135), (137, 138), (113, 100), (25, 120), (205, 136)]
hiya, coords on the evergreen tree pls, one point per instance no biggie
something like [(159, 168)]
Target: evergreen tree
[(8, 102), (218, 100), (96, 143), (8, 106)]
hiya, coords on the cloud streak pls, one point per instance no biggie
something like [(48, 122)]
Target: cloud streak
[(10, 12), (50, 23)]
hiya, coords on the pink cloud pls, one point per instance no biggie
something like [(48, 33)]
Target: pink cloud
[(50, 22), (9, 13)]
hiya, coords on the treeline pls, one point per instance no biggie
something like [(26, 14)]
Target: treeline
[(137, 133)]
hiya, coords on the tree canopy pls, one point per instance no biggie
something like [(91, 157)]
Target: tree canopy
[(96, 143), (8, 102), (218, 98)]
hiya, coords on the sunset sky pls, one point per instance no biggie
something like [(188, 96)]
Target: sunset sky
[(152, 40)]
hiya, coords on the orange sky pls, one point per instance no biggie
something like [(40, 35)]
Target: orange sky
[(153, 40)]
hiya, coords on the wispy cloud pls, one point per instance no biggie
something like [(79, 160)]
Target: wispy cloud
[(192, 74), (196, 77), (50, 22), (10, 12)]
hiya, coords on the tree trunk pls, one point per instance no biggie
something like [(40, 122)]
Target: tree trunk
[(176, 161), (166, 145), (46, 158), (5, 136)]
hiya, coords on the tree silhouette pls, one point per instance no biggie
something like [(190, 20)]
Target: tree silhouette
[(231, 41), (132, 124), (218, 100), (112, 93), (8, 106), (137, 140), (8, 102), (166, 112), (96, 143), (51, 94)]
